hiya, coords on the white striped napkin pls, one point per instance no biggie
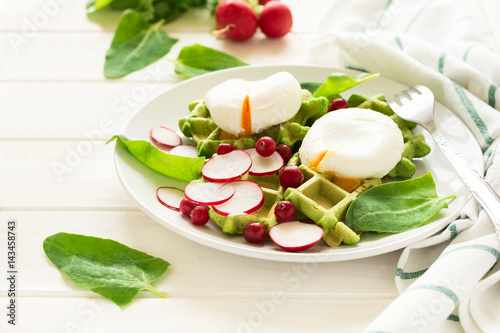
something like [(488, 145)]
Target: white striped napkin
[(449, 282)]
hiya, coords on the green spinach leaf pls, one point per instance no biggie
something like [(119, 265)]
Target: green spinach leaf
[(396, 207), (108, 268), (95, 5), (136, 45), (338, 82), (179, 167), (198, 59)]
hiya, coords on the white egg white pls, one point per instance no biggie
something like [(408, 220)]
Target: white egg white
[(353, 143), (272, 101)]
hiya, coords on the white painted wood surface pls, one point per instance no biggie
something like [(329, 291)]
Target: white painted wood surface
[(56, 107)]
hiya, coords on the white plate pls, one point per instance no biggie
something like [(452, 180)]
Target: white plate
[(165, 109)]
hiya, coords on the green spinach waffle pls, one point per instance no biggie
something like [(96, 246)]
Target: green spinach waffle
[(317, 199)]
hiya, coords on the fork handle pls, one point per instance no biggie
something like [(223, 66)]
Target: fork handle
[(484, 193)]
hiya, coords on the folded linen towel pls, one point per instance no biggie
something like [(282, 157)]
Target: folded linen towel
[(450, 281)]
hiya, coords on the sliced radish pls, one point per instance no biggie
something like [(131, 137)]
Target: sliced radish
[(263, 166), (165, 136), (228, 167), (185, 150), (247, 198), (296, 236), (208, 193), (170, 197)]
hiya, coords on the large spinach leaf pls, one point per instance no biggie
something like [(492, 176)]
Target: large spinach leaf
[(136, 45), (198, 59), (396, 207), (179, 167), (108, 268)]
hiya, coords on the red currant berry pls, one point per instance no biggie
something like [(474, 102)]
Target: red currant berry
[(285, 152), (265, 146), (186, 206), (254, 232), (199, 215), (291, 176), (338, 103), (284, 211), (224, 148)]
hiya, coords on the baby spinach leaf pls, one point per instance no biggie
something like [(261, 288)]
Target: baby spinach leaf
[(179, 167), (338, 82), (396, 207), (108, 268), (198, 59), (136, 45), (95, 5)]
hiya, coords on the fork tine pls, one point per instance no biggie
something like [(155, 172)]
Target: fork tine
[(422, 89), (402, 98)]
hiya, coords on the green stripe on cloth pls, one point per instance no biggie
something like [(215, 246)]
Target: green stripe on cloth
[(445, 291), (472, 112), (453, 317), (442, 57), (409, 275), (424, 7), (486, 248), (383, 12), (398, 41), (466, 53), (356, 69), (491, 95), (453, 230)]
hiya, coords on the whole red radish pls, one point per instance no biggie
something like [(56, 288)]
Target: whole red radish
[(236, 20), (276, 19)]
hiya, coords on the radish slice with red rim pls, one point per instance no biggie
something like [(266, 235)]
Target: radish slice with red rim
[(208, 193), (263, 166), (185, 150), (227, 167), (296, 236), (247, 198), (170, 197), (165, 136)]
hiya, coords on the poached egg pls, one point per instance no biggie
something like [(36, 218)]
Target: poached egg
[(353, 143), (241, 107)]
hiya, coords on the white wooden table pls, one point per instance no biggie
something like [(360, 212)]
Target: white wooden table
[(57, 110)]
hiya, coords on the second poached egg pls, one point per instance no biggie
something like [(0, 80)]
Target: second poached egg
[(353, 143)]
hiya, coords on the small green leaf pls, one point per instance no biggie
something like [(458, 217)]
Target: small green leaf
[(108, 268), (179, 167), (396, 207), (338, 82), (136, 45), (197, 59), (95, 5)]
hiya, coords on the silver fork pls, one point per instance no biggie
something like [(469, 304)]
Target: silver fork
[(417, 105)]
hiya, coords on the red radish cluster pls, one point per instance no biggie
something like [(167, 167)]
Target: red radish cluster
[(237, 20), (227, 195)]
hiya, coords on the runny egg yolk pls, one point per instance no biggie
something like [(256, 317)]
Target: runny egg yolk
[(246, 117), (347, 184)]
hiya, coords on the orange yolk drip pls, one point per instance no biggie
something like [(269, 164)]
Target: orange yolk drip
[(314, 164), (347, 184), (246, 117)]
